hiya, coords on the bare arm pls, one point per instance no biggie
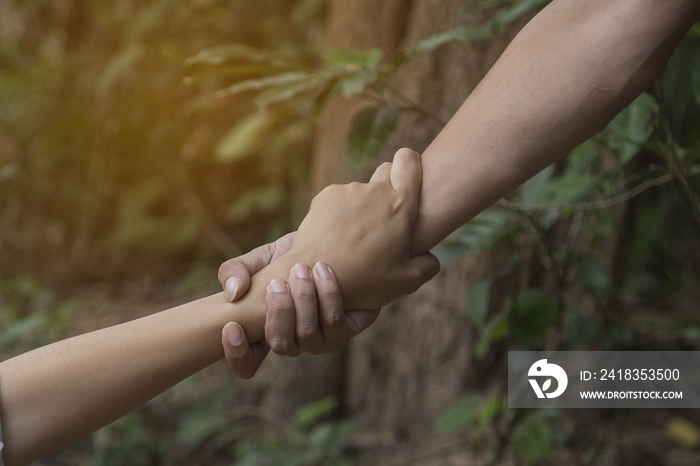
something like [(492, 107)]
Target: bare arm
[(562, 79), (56, 394)]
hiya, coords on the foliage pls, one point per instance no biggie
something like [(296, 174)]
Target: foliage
[(351, 73), (311, 439), (207, 432), (30, 315), (636, 183), (113, 146)]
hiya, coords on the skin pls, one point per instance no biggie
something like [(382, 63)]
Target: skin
[(56, 394), (568, 72)]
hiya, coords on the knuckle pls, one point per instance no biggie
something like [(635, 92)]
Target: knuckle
[(306, 333), (281, 346), (305, 294), (279, 303), (333, 294), (335, 320), (237, 356), (328, 191)]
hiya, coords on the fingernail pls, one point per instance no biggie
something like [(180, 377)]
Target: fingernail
[(277, 285), (234, 333), (231, 288), (322, 270), (301, 271)]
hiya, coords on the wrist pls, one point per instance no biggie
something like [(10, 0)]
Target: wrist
[(253, 305)]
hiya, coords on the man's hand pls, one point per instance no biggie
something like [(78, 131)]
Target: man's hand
[(306, 315)]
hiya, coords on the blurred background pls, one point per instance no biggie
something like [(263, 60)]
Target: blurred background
[(143, 143)]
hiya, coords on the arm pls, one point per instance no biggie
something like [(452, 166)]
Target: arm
[(562, 79), (56, 394)]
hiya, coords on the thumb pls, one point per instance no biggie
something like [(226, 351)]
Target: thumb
[(234, 276), (420, 270)]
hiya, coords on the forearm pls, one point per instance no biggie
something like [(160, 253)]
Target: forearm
[(561, 80), (56, 394)]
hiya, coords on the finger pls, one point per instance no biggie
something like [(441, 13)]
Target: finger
[(280, 319), (243, 360), (381, 173), (308, 333), (419, 270), (334, 325), (360, 320), (234, 274), (406, 175)]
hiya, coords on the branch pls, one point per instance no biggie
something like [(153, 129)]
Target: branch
[(584, 206)]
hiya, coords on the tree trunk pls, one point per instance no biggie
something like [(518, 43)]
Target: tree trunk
[(402, 373)]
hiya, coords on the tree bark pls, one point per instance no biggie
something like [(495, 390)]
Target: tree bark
[(416, 360)]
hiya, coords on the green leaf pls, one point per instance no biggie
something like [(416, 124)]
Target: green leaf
[(508, 15), (632, 127), (647, 224), (261, 199), (118, 66), (581, 330), (493, 408), (583, 157), (351, 59), (459, 415), (369, 133), (486, 230), (201, 425), (594, 275), (478, 301), (694, 32), (244, 138), (530, 189), (495, 329), (565, 189), (354, 83), (532, 439), (462, 34), (238, 52), (300, 78), (284, 92), (20, 330), (532, 315), (313, 412)]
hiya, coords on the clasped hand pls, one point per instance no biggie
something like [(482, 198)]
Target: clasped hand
[(351, 251)]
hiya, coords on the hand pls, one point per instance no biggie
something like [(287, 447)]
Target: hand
[(363, 232), (234, 276), (292, 324)]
